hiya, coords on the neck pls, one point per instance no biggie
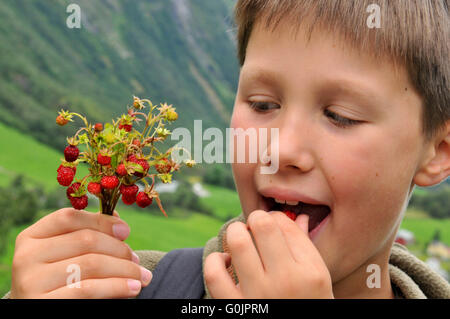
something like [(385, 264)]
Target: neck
[(370, 281)]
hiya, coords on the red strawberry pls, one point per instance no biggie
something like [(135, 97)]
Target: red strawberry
[(94, 188), (65, 176), (109, 182), (103, 160), (164, 166), (131, 158), (126, 127), (128, 201), (142, 200), (290, 214), (73, 168), (129, 190), (72, 189), (79, 202), (137, 142), (145, 166), (98, 127), (71, 153), (60, 120), (121, 170)]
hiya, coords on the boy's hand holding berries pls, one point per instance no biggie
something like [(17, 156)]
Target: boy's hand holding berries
[(119, 157), (108, 268)]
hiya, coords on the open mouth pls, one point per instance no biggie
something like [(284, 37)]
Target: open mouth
[(316, 213)]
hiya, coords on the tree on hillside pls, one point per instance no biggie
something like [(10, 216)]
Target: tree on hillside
[(436, 203), (18, 206)]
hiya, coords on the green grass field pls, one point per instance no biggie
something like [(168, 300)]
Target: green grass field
[(424, 228), (223, 202), (23, 155)]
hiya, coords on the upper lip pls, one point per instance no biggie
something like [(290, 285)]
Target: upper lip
[(290, 195)]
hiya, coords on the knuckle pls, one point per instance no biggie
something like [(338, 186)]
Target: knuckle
[(64, 216), (237, 241), (262, 222), (20, 238), (89, 264), (21, 256), (88, 239), (319, 280)]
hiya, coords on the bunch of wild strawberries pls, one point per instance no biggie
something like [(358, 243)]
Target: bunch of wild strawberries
[(119, 156)]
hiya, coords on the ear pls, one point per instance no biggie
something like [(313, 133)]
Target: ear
[(435, 167)]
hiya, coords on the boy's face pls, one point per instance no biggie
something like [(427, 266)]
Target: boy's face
[(362, 171)]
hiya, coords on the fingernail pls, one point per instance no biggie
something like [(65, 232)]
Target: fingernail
[(134, 257), (134, 285), (146, 275), (121, 231)]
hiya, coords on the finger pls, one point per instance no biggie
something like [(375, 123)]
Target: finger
[(296, 237), (78, 243), (108, 288), (269, 240), (217, 279), (244, 255), (92, 266), (67, 220), (302, 221), (116, 214)]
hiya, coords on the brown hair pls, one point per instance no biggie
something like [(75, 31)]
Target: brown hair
[(413, 33)]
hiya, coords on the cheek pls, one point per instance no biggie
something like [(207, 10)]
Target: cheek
[(370, 182), (244, 173), (373, 175), (245, 186)]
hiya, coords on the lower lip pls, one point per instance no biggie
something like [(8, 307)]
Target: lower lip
[(315, 232)]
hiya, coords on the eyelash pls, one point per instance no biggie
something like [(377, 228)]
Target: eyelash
[(338, 120), (254, 106)]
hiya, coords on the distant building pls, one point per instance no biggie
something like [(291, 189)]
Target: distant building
[(405, 237), (200, 191), (167, 188), (438, 249)]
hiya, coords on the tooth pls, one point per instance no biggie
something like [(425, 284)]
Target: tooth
[(293, 203), (280, 201)]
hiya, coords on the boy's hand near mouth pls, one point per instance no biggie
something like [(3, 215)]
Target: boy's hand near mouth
[(273, 257)]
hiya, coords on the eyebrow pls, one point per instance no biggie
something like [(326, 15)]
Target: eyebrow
[(260, 76)]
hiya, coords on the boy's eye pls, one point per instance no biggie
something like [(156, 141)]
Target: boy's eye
[(263, 106), (340, 121)]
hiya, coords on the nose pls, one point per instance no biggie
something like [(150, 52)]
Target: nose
[(294, 149)]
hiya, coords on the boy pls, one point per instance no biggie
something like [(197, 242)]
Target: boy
[(363, 116)]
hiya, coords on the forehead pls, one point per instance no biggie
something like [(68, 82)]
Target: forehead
[(311, 27), (274, 52)]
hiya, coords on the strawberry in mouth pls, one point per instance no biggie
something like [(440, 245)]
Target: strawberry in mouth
[(316, 213)]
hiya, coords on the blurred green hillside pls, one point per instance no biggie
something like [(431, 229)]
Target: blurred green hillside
[(155, 49)]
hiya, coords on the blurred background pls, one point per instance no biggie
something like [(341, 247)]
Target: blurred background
[(177, 51)]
